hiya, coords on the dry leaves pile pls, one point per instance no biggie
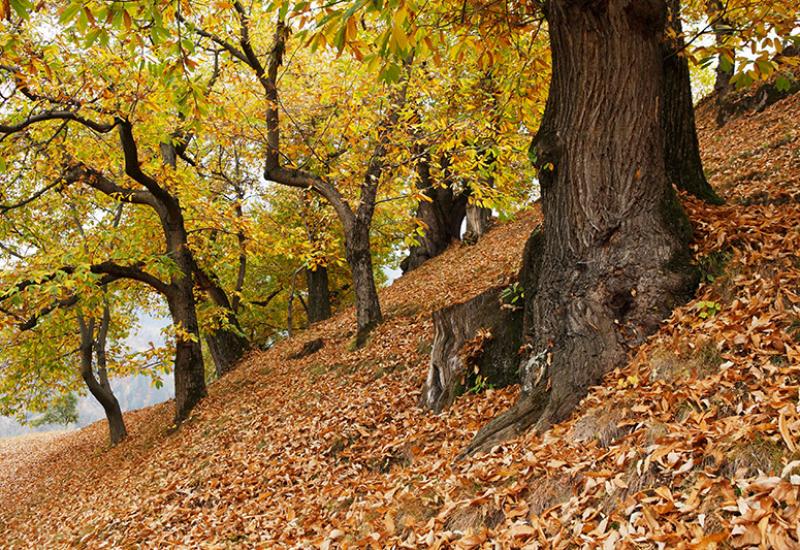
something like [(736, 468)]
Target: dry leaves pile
[(693, 445)]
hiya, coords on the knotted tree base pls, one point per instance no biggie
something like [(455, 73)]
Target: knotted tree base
[(477, 338)]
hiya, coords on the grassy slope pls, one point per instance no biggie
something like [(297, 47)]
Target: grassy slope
[(686, 444)]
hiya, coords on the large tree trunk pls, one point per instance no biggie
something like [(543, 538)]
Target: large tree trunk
[(101, 391), (681, 147), (190, 384), (442, 214), (189, 372), (368, 307), (613, 259), (319, 300)]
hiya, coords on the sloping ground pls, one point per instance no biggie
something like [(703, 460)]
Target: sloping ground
[(694, 444)]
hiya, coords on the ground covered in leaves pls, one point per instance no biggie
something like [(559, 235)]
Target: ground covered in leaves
[(693, 445)]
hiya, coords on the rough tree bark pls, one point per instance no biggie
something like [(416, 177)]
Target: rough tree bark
[(189, 372), (613, 259), (227, 344), (319, 301), (453, 367), (100, 389), (442, 214), (681, 147), (359, 257)]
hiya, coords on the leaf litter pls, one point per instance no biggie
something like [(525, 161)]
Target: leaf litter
[(694, 444)]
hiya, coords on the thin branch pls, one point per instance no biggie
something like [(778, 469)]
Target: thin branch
[(7, 207)]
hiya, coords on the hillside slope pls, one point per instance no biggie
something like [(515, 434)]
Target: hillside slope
[(694, 444)]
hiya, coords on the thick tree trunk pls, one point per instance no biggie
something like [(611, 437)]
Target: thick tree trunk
[(319, 300), (681, 147), (368, 307), (189, 372), (100, 391), (442, 215), (614, 257)]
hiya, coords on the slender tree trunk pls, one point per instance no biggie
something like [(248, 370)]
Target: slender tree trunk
[(226, 343), (442, 214), (101, 392), (613, 259), (681, 147), (368, 308), (227, 348), (319, 301)]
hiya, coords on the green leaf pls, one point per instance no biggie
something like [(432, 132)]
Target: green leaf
[(92, 36), (22, 7), (69, 13), (390, 73), (782, 83)]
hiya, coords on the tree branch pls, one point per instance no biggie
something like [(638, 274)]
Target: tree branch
[(80, 173), (133, 168), (6, 207), (98, 127)]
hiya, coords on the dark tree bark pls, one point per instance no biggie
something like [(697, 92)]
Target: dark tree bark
[(100, 389), (442, 214), (613, 257), (189, 371), (227, 344), (319, 300), (359, 257), (190, 384), (681, 147)]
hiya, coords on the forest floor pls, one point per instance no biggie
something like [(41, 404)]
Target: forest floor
[(693, 445)]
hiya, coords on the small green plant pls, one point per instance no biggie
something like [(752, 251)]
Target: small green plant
[(707, 308), (513, 295), (481, 384), (713, 265)]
